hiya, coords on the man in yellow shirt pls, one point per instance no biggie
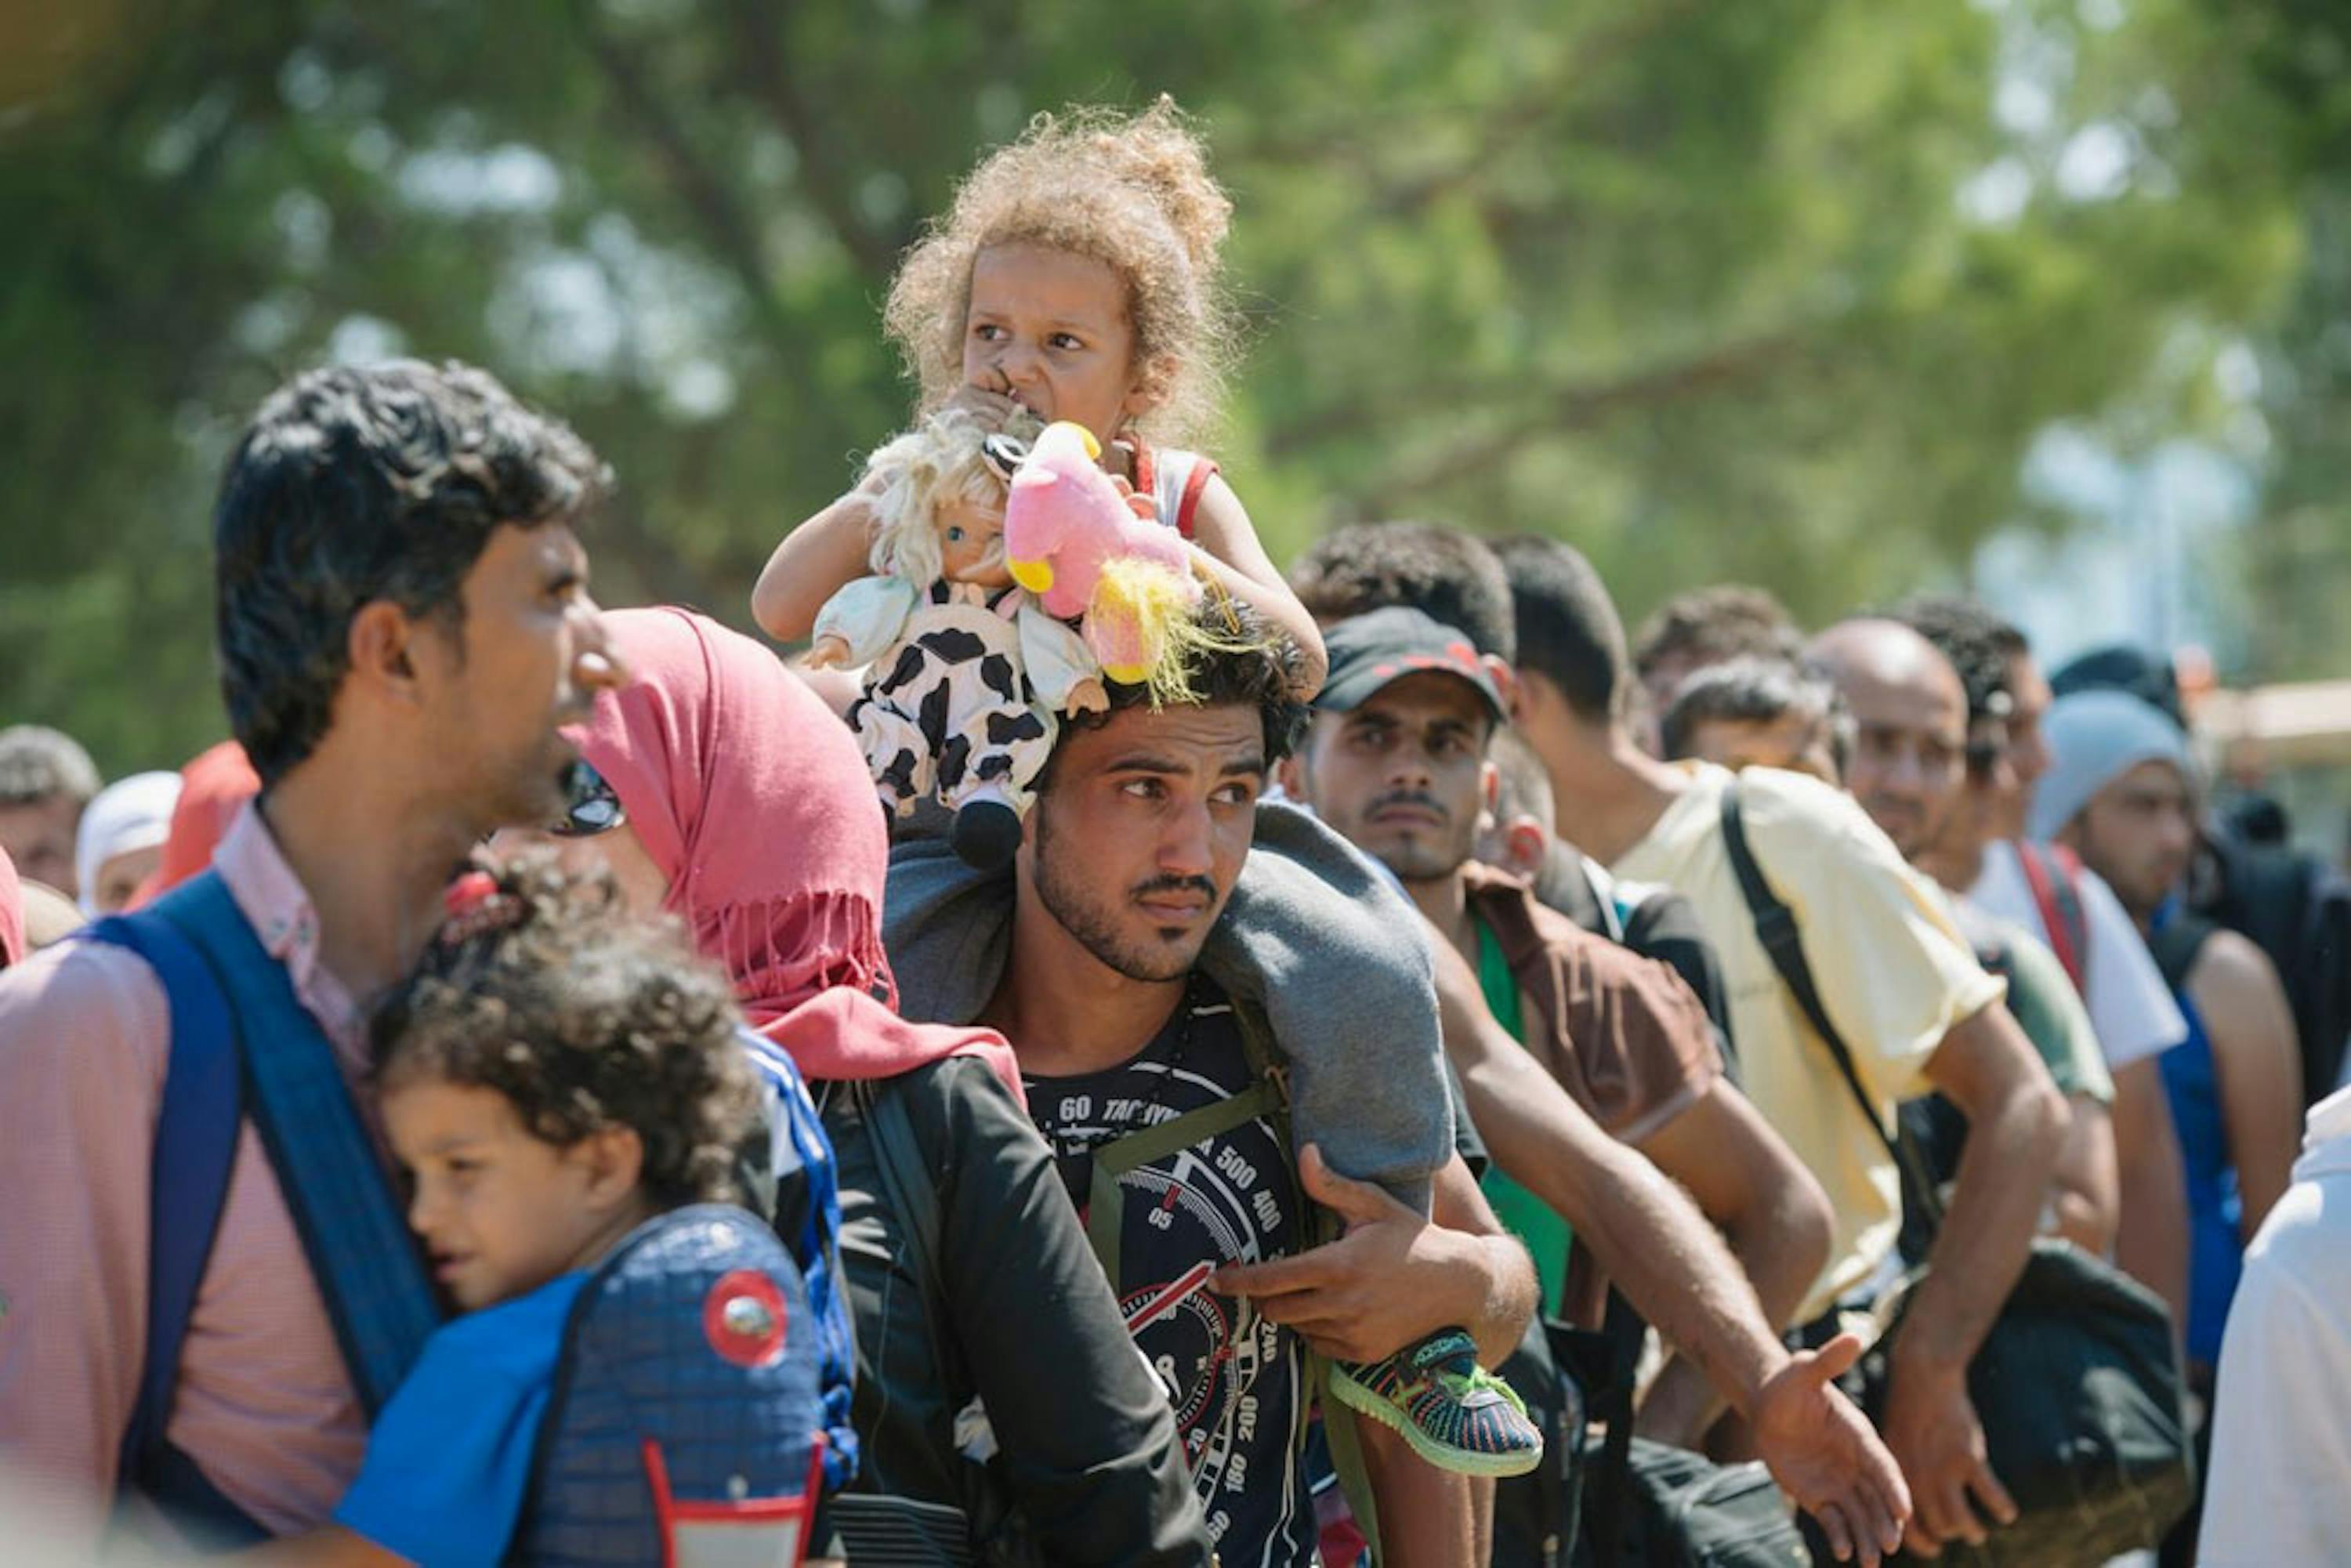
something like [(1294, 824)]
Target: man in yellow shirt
[(1895, 978)]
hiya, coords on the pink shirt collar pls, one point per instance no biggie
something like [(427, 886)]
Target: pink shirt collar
[(274, 902)]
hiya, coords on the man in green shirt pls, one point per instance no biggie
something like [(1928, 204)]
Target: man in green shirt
[(1397, 761)]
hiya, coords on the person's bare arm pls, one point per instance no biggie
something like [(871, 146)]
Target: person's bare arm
[(1234, 557), (1772, 1214), (810, 565), (1677, 1271), (2258, 1062), (1395, 1277), (2084, 1192), (1500, 1288), (2151, 1238), (1424, 1511), (1644, 1232), (2015, 1125), (839, 688)]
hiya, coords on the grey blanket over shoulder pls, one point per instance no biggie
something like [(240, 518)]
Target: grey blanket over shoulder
[(1315, 935)]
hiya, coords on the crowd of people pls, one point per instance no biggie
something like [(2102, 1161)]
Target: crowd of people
[(1282, 1107)]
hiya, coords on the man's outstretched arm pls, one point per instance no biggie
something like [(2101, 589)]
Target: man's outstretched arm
[(2151, 1242), (1673, 1267), (1773, 1214)]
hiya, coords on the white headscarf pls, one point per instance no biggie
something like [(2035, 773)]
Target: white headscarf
[(132, 813)]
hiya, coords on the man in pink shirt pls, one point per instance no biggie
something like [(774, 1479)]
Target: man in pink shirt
[(403, 623)]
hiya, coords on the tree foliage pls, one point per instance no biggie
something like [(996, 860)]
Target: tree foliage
[(1778, 291)]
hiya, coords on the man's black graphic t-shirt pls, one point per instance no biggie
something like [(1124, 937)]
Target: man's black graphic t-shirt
[(1236, 1380)]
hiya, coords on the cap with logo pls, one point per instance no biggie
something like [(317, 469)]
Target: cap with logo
[(1368, 652)]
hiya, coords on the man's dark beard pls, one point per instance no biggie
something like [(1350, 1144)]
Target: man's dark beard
[(1456, 854), (1067, 897)]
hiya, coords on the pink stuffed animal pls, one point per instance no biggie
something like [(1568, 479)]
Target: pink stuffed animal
[(1073, 539)]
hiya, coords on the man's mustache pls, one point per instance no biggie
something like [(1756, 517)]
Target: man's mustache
[(1204, 886), (1420, 798)]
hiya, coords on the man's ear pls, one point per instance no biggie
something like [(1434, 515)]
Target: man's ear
[(1291, 774), (1523, 695), (382, 647)]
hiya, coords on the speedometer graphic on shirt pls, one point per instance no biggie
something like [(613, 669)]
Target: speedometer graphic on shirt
[(1199, 1342)]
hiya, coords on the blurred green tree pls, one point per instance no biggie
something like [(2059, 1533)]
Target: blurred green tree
[(1778, 291), (2296, 555)]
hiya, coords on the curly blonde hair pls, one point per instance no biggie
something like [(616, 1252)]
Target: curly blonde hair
[(1132, 193), (913, 475)]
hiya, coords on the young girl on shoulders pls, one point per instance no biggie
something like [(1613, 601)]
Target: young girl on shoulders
[(1076, 277)]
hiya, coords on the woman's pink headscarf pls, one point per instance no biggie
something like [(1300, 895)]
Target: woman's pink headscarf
[(755, 800)]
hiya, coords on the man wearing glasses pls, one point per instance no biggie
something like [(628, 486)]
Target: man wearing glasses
[(404, 624)]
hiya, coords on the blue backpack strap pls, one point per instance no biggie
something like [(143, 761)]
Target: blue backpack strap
[(816, 1247), (334, 1181), (194, 1151)]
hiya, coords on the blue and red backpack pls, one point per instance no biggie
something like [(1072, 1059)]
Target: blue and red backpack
[(700, 1404)]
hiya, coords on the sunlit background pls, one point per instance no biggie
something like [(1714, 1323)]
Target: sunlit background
[(2049, 301)]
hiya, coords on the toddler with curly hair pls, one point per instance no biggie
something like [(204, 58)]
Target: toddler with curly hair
[(1075, 278)]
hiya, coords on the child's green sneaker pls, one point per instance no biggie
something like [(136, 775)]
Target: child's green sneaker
[(1455, 1413)]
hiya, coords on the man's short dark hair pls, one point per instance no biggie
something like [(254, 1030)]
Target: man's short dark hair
[(1568, 630), (357, 484), (1250, 664), (1748, 690), (1979, 645), (38, 764), (1708, 626), (1451, 575)]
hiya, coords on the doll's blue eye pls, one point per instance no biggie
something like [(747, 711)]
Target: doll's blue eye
[(955, 533)]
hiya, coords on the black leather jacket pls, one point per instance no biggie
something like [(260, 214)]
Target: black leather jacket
[(1088, 1455)]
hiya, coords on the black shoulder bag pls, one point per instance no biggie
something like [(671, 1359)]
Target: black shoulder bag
[(905, 1532), (1652, 1505), (2077, 1383)]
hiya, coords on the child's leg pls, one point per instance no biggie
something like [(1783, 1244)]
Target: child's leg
[(1330, 950), (1322, 942)]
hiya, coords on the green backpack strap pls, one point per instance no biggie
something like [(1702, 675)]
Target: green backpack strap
[(1268, 1097), (1107, 1200)]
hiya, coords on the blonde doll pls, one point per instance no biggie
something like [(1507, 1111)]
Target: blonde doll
[(966, 678)]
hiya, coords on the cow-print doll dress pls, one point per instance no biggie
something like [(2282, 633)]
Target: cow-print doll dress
[(951, 712)]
